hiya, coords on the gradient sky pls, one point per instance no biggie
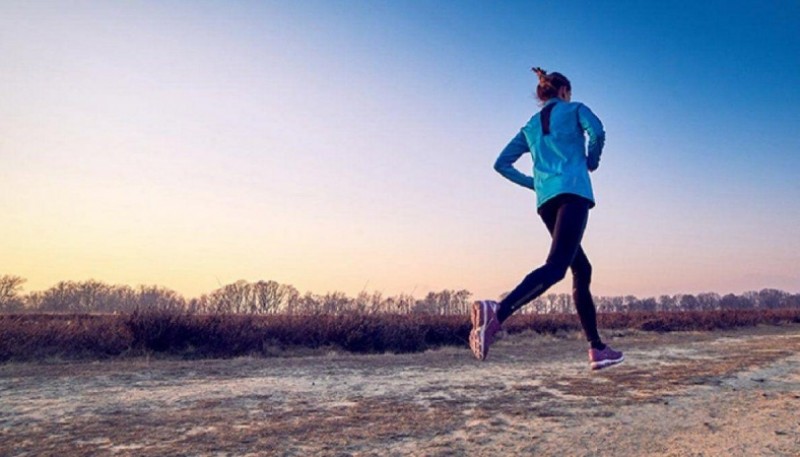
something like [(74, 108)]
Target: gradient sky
[(348, 145)]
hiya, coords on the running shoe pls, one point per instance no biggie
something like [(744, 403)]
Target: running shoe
[(485, 327), (604, 358)]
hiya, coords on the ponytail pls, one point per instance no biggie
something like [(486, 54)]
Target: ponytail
[(549, 84)]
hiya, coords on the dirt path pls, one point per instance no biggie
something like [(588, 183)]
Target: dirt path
[(679, 394)]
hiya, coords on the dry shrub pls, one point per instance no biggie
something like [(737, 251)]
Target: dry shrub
[(227, 335), (177, 333), (543, 323), (39, 336), (196, 335), (367, 333), (158, 330), (668, 321)]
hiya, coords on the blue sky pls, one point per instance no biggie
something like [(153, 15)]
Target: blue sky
[(348, 145)]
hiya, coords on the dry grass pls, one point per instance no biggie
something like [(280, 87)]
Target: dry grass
[(170, 333)]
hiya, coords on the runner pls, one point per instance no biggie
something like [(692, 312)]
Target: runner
[(561, 165)]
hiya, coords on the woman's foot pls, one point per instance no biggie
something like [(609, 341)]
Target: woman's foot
[(485, 327), (604, 358)]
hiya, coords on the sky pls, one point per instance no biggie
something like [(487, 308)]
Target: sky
[(348, 145)]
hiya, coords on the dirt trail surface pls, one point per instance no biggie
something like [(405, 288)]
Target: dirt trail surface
[(678, 394)]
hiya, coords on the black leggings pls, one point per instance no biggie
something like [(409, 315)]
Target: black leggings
[(565, 217)]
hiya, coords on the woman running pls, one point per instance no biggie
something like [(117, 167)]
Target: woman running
[(561, 165)]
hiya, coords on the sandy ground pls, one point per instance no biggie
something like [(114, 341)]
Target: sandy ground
[(679, 394)]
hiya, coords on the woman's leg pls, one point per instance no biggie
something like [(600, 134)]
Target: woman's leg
[(582, 296), (567, 217)]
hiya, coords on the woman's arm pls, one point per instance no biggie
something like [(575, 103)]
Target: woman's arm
[(505, 163), (597, 136)]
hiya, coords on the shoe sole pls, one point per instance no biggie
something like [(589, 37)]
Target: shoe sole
[(476, 336), (607, 363)]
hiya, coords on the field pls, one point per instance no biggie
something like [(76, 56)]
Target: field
[(714, 393)]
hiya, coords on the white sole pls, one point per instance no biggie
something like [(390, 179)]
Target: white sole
[(479, 329), (607, 363)]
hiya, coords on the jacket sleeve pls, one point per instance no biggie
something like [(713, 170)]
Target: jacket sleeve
[(597, 137), (505, 163)]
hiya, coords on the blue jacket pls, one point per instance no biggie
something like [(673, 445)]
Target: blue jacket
[(561, 162)]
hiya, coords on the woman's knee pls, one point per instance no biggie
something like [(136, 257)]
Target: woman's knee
[(582, 272), (557, 271)]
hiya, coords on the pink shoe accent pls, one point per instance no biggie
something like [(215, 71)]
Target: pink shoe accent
[(605, 358)]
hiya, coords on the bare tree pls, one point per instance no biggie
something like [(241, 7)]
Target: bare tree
[(689, 302), (159, 298), (335, 303), (772, 298), (461, 302), (368, 303), (231, 298), (708, 301), (404, 303), (121, 299), (62, 298), (270, 297), (731, 301), (309, 304), (10, 288), (667, 303), (90, 295), (648, 304), (401, 304), (428, 305)]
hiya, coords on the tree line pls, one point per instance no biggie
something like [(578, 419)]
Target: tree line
[(270, 297)]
